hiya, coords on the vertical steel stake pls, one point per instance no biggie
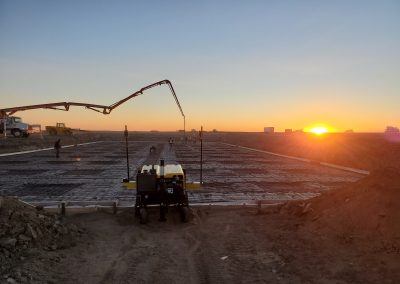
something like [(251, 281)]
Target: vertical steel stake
[(201, 155), (184, 130), (63, 208), (114, 207), (127, 151), (5, 126)]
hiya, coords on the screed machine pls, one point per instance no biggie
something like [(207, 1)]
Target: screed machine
[(163, 185)]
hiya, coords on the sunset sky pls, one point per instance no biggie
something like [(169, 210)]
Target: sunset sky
[(235, 65)]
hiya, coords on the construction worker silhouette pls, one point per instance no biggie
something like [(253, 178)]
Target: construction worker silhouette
[(57, 147)]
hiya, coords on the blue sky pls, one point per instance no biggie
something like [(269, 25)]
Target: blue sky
[(235, 65)]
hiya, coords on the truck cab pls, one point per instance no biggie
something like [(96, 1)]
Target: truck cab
[(15, 126)]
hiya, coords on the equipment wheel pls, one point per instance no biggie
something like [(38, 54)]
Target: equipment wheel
[(17, 133), (143, 215), (184, 210)]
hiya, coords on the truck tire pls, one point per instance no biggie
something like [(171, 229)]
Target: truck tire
[(17, 133)]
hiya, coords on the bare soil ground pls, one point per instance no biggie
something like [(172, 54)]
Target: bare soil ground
[(368, 151), (349, 235)]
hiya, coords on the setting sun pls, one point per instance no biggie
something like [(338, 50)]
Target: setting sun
[(319, 130)]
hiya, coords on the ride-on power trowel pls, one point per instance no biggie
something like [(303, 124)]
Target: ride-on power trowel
[(161, 185)]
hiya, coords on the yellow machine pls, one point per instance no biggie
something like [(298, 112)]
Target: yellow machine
[(59, 129), (161, 185)]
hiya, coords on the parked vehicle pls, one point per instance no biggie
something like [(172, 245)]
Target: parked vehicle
[(59, 129), (15, 126)]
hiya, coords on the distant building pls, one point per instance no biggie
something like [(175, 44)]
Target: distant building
[(269, 129), (392, 129), (288, 130), (349, 131), (392, 134)]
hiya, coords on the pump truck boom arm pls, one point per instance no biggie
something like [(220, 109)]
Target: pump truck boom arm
[(140, 92), (65, 107), (99, 108)]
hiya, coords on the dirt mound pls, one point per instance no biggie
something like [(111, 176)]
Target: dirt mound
[(24, 229), (366, 211)]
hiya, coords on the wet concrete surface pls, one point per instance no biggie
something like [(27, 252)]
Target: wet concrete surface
[(93, 173)]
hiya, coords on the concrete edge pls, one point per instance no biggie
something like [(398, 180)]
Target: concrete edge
[(348, 169), (46, 149), (74, 209)]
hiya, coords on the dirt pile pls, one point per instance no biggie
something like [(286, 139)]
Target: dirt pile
[(25, 230), (366, 212)]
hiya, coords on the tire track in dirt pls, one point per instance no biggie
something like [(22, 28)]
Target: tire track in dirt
[(150, 253), (228, 257)]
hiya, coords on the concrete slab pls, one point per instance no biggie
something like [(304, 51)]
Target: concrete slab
[(92, 174)]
